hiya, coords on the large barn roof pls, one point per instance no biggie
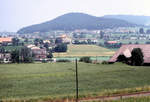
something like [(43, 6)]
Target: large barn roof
[(127, 49)]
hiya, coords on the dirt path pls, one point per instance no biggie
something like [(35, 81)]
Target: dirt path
[(115, 97)]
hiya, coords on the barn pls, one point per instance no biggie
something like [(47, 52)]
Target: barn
[(127, 49)]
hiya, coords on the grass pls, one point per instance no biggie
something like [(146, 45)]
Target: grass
[(57, 80), (85, 50), (10, 48)]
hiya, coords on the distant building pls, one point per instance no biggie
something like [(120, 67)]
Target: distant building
[(127, 49), (64, 39), (112, 42), (5, 40), (38, 53)]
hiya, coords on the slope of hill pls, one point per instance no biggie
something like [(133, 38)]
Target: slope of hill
[(72, 21), (141, 20)]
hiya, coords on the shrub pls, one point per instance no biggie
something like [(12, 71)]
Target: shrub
[(63, 60), (85, 59), (44, 61), (105, 62)]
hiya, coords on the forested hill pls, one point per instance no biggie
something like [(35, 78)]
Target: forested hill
[(72, 21), (140, 20)]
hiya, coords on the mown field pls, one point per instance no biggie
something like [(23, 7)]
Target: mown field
[(57, 80), (85, 50)]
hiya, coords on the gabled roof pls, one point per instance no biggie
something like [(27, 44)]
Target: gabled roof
[(123, 50), (8, 39)]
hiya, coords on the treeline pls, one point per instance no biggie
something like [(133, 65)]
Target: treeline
[(108, 45)]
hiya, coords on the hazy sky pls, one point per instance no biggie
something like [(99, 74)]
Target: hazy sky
[(15, 14)]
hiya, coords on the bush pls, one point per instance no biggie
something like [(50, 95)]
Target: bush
[(137, 57), (105, 62), (44, 61), (63, 60), (85, 59), (61, 48)]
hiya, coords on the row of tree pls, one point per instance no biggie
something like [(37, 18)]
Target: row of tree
[(22, 55), (141, 31)]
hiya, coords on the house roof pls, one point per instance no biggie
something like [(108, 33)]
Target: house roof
[(8, 39), (127, 49), (112, 42)]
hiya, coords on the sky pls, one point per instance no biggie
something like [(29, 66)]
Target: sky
[(15, 14)]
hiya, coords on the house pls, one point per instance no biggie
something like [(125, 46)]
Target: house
[(64, 39), (38, 53), (112, 42), (5, 57), (6, 40), (127, 49)]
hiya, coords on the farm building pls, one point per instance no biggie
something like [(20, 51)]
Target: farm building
[(127, 49)]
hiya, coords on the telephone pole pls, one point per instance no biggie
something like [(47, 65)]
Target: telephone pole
[(77, 94)]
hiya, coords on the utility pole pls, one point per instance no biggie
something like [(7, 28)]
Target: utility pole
[(77, 94)]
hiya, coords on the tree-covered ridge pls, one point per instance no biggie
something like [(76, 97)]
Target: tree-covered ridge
[(141, 20), (72, 21)]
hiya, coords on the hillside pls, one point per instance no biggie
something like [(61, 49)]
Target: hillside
[(141, 20), (72, 21)]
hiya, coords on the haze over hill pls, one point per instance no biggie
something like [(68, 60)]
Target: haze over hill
[(72, 21), (141, 20)]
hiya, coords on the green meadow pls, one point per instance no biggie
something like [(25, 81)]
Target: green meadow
[(57, 80)]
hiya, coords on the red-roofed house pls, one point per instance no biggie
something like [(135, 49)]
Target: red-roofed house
[(5, 40)]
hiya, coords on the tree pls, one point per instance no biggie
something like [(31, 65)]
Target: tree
[(122, 58), (26, 55), (85, 59), (58, 40), (61, 48), (148, 31), (101, 34), (137, 57), (38, 41), (46, 45), (75, 35), (76, 42), (26, 40), (21, 55), (50, 55), (15, 41), (15, 56), (141, 31), (89, 41)]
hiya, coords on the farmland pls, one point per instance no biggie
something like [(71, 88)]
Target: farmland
[(57, 80), (85, 50)]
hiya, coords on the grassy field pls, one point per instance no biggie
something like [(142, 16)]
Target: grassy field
[(25, 81), (10, 48), (85, 50)]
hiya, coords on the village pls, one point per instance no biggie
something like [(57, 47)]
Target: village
[(42, 45)]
